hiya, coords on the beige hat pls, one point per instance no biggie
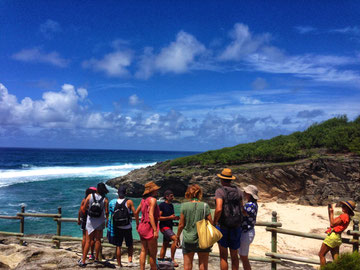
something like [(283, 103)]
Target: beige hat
[(252, 190), (150, 187), (226, 174), (351, 205)]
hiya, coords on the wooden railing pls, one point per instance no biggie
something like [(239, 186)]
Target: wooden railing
[(271, 257)]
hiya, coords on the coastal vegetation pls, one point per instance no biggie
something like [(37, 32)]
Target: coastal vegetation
[(336, 135), (346, 261)]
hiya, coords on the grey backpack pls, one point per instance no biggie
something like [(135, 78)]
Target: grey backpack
[(165, 264)]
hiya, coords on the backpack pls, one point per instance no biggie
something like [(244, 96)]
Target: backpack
[(165, 264), (121, 216), (95, 209), (231, 216)]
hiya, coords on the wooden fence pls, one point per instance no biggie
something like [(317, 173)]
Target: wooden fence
[(271, 257)]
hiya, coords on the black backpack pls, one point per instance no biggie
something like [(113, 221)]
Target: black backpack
[(231, 215), (95, 209), (121, 216)]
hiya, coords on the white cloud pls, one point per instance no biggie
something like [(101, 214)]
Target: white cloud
[(178, 57), (114, 64), (36, 55), (354, 30), (209, 121), (243, 43), (134, 100), (50, 27), (305, 29), (322, 68)]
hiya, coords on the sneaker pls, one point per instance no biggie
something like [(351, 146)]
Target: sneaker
[(91, 257), (81, 264), (132, 264)]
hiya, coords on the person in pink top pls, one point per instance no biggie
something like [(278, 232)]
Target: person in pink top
[(148, 228), (333, 241)]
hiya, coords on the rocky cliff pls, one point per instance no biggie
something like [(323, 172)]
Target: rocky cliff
[(315, 181)]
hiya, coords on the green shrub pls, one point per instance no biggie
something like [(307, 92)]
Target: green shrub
[(337, 135), (346, 261)]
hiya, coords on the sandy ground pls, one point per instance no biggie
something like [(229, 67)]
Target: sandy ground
[(309, 219)]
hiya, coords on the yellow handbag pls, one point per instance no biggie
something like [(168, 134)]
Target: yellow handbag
[(207, 233)]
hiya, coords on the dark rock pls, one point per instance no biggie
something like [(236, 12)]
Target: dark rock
[(309, 181)]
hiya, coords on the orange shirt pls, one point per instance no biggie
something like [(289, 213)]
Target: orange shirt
[(345, 220)]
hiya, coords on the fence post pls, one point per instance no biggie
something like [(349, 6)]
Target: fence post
[(274, 240), (58, 229), (22, 222), (356, 237)]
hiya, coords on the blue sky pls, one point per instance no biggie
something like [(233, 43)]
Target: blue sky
[(173, 75)]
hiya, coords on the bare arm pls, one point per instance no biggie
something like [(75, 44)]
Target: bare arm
[(152, 218), (106, 204), (131, 206), (180, 229), (79, 214), (333, 221), (136, 214), (218, 210), (172, 217), (84, 207)]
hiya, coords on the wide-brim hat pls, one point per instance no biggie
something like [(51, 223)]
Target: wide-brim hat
[(150, 187), (351, 205), (252, 190), (226, 174)]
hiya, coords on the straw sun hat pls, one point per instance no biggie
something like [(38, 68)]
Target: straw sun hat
[(252, 190), (150, 187), (226, 174), (349, 204)]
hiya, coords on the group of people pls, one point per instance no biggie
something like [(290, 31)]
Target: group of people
[(234, 216)]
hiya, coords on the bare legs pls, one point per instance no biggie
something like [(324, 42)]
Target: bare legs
[(173, 250), (245, 262), (97, 235), (203, 260), (224, 256), (151, 247), (118, 255), (324, 250)]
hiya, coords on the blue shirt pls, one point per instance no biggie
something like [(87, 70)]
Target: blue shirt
[(249, 221)]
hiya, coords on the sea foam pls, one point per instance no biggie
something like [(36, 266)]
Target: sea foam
[(11, 177)]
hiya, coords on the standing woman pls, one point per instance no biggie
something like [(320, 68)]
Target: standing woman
[(248, 224), (97, 206), (191, 212), (82, 221), (148, 228)]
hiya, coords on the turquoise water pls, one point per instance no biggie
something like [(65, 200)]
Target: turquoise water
[(44, 179)]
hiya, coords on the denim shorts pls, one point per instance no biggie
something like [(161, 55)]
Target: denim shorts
[(231, 237), (245, 241)]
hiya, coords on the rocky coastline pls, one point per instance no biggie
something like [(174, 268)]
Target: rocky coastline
[(313, 181)]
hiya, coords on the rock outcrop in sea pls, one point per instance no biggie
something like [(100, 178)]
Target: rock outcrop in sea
[(313, 181)]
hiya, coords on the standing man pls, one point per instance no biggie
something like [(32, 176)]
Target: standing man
[(119, 225), (228, 218), (167, 215)]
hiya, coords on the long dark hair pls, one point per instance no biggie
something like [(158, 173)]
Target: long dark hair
[(88, 192), (102, 190)]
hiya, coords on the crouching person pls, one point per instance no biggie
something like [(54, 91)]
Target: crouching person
[(119, 224)]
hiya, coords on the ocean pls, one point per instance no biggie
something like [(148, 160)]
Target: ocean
[(44, 179)]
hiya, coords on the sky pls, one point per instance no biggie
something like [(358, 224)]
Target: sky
[(173, 75)]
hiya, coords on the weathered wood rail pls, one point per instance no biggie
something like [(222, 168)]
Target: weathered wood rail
[(271, 257)]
